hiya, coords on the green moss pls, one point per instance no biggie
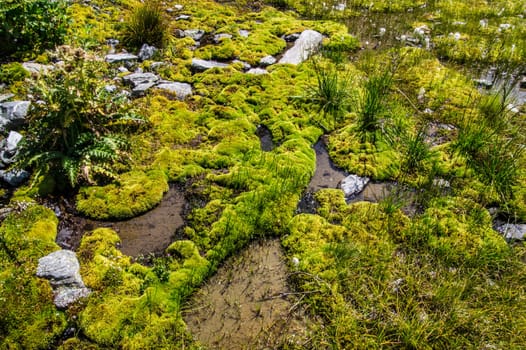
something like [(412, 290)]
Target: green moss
[(12, 72), (136, 193), (27, 314)]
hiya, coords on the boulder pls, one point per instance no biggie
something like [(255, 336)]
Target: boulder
[(146, 52), (353, 184), (267, 61), (9, 148), (121, 58), (13, 114), (181, 90), (62, 268), (513, 231), (308, 42), (202, 65)]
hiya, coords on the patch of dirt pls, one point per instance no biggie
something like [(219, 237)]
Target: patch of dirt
[(327, 175), (248, 304), (151, 232)]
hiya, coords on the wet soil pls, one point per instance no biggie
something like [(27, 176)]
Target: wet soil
[(151, 232), (327, 175), (248, 304)]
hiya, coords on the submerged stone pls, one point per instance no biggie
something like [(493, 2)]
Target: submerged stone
[(307, 44), (353, 184), (513, 231)]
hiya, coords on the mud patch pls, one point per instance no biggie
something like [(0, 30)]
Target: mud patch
[(247, 304), (151, 232), (327, 175)]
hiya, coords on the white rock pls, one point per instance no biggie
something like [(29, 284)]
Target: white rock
[(308, 43), (353, 184), (267, 60), (513, 231), (257, 71)]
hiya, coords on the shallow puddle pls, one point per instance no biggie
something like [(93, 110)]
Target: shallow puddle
[(151, 232), (247, 304)]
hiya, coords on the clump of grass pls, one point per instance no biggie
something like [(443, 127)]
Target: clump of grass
[(146, 25), (331, 94), (371, 105)]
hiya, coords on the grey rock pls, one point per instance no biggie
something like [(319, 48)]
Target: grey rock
[(181, 90), (12, 141), (522, 83), (178, 7), (62, 269), (110, 88), (112, 42), (5, 97), (513, 231), (267, 60), (121, 58), (196, 34), (146, 52), (219, 37), (122, 69), (37, 68), (140, 89), (257, 71), (183, 18), (156, 65), (308, 43), (13, 114), (291, 37), (243, 33), (202, 65), (136, 79), (179, 33), (353, 184), (14, 177)]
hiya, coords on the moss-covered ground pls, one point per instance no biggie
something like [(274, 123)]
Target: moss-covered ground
[(375, 277)]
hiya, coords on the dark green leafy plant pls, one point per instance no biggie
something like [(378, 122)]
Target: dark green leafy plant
[(77, 133), (146, 25), (31, 25)]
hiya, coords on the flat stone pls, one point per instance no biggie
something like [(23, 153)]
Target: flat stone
[(181, 90), (307, 44), (37, 68), (219, 37), (257, 71), (5, 97), (202, 65), (13, 114), (136, 79), (140, 89), (353, 184), (513, 231), (183, 18), (267, 60), (196, 34), (120, 57)]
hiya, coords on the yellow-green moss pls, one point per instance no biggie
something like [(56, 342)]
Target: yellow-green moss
[(135, 193)]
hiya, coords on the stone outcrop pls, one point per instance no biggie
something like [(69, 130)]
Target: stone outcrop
[(62, 268)]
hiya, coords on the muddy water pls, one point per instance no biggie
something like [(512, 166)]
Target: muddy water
[(151, 232), (247, 304), (327, 175)]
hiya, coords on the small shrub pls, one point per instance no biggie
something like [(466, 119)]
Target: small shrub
[(31, 25), (146, 25), (76, 134)]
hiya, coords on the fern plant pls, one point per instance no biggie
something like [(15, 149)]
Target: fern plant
[(77, 133)]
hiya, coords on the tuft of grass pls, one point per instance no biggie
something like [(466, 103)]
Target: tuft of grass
[(146, 25)]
